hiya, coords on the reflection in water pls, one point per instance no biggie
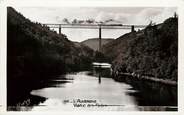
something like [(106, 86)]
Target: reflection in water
[(99, 78), (88, 91), (91, 90)]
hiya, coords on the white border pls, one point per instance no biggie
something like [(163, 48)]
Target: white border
[(2, 56), (91, 3)]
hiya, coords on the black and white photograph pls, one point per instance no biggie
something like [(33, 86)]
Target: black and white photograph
[(92, 58)]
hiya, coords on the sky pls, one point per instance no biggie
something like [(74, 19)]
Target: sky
[(124, 15)]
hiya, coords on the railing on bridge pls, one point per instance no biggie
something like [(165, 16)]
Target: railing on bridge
[(95, 26)]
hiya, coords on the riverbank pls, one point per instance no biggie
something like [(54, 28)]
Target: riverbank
[(152, 92)]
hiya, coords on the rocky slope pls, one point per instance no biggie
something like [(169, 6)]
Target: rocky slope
[(152, 51)]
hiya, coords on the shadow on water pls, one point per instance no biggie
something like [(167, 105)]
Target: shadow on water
[(146, 98), (18, 93), (20, 99), (27, 104), (152, 96)]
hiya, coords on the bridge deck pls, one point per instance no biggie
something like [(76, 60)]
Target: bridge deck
[(94, 26)]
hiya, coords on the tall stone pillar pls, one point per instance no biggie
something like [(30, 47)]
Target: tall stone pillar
[(59, 29), (132, 28), (100, 32)]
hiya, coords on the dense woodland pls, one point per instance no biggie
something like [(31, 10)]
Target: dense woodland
[(34, 49), (35, 53), (152, 51)]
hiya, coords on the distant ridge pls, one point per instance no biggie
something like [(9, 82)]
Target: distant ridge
[(93, 43)]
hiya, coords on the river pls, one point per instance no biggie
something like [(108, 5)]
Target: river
[(86, 90), (95, 90)]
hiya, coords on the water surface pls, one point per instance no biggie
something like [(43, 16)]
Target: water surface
[(85, 92)]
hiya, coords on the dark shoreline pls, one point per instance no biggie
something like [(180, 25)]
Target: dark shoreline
[(146, 96), (151, 93)]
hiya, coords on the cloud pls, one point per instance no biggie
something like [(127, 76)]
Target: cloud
[(124, 15), (166, 12)]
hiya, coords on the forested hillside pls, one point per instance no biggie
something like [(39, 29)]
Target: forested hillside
[(34, 52), (152, 51), (33, 47)]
